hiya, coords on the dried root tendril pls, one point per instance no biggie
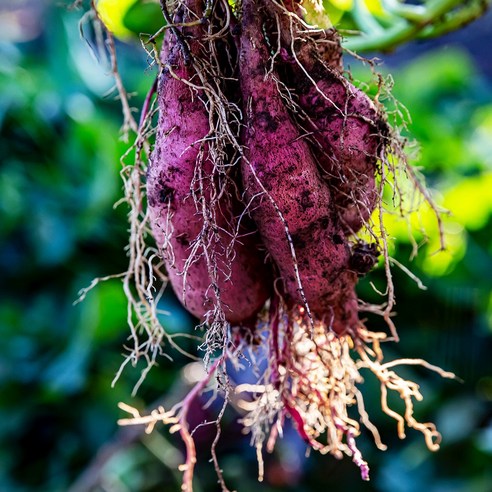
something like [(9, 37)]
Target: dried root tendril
[(315, 380)]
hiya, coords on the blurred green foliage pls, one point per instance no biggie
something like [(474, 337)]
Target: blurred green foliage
[(59, 177)]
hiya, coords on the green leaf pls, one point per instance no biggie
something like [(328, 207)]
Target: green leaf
[(143, 17)]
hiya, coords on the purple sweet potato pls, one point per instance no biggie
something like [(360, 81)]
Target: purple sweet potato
[(179, 182), (347, 129), (281, 177)]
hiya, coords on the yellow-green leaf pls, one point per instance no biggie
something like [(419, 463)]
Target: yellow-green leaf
[(112, 13)]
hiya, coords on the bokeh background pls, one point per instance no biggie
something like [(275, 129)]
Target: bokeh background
[(59, 178)]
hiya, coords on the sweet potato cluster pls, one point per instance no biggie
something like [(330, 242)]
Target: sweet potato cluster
[(264, 170)]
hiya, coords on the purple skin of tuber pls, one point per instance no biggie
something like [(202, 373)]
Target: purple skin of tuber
[(349, 134), (179, 163), (278, 167)]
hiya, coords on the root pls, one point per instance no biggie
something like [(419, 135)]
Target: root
[(315, 380), (144, 281), (407, 390)]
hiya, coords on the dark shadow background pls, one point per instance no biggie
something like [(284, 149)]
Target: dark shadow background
[(59, 178)]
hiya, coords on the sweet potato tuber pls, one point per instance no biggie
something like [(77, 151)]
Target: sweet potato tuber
[(192, 227), (291, 204)]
